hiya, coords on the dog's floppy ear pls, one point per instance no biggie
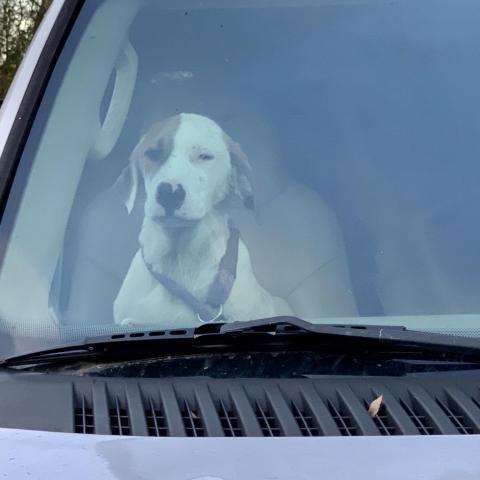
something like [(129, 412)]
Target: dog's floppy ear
[(127, 183), (242, 183)]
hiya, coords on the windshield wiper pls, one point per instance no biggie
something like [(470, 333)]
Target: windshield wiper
[(280, 333)]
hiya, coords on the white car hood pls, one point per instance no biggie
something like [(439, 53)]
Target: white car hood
[(41, 455)]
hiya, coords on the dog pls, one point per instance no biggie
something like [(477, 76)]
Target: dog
[(192, 266)]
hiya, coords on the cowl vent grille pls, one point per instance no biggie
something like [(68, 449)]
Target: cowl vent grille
[(267, 420), (119, 418), (459, 416), (343, 420), (383, 421), (156, 422), (192, 421), (274, 408), (83, 415), (419, 418), (229, 419), (305, 420)]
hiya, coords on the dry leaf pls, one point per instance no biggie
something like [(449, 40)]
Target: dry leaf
[(374, 407)]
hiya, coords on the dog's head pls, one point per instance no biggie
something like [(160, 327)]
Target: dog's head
[(189, 165)]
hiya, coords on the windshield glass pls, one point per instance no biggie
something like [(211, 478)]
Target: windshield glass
[(221, 161)]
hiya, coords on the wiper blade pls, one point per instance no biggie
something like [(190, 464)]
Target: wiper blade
[(271, 333), (106, 347)]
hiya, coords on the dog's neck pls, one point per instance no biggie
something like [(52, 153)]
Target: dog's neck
[(185, 251)]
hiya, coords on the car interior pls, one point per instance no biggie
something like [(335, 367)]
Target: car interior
[(360, 133)]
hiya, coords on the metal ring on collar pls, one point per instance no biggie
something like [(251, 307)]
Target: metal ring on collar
[(216, 317)]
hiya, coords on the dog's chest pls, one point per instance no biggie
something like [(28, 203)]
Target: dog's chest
[(191, 273), (172, 308), (189, 276)]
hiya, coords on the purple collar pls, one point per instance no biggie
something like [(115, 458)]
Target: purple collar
[(212, 309)]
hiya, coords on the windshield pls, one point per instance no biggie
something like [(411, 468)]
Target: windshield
[(221, 161)]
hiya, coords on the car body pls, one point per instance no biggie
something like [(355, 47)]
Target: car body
[(36, 454)]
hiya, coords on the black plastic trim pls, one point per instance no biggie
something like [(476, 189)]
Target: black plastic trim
[(426, 404), (331, 406)]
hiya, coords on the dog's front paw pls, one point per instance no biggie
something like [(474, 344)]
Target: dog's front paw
[(128, 322)]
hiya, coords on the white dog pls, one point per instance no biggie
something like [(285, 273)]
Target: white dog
[(191, 267)]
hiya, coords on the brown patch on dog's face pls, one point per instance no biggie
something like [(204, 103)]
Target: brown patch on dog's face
[(148, 155), (156, 146)]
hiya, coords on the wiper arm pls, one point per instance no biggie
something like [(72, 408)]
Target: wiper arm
[(270, 333), (388, 335)]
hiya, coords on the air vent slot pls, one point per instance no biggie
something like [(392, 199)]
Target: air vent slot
[(83, 416), (343, 419), (119, 418), (305, 420), (456, 416), (156, 421), (192, 421), (383, 421), (419, 418), (229, 419), (267, 420)]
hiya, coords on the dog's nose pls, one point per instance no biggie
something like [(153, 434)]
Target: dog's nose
[(170, 198)]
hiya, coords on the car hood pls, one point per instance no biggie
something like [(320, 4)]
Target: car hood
[(36, 455)]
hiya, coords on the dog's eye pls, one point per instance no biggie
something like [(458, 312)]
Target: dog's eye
[(205, 156), (153, 154)]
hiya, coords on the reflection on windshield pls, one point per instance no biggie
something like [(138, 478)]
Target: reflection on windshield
[(320, 161)]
